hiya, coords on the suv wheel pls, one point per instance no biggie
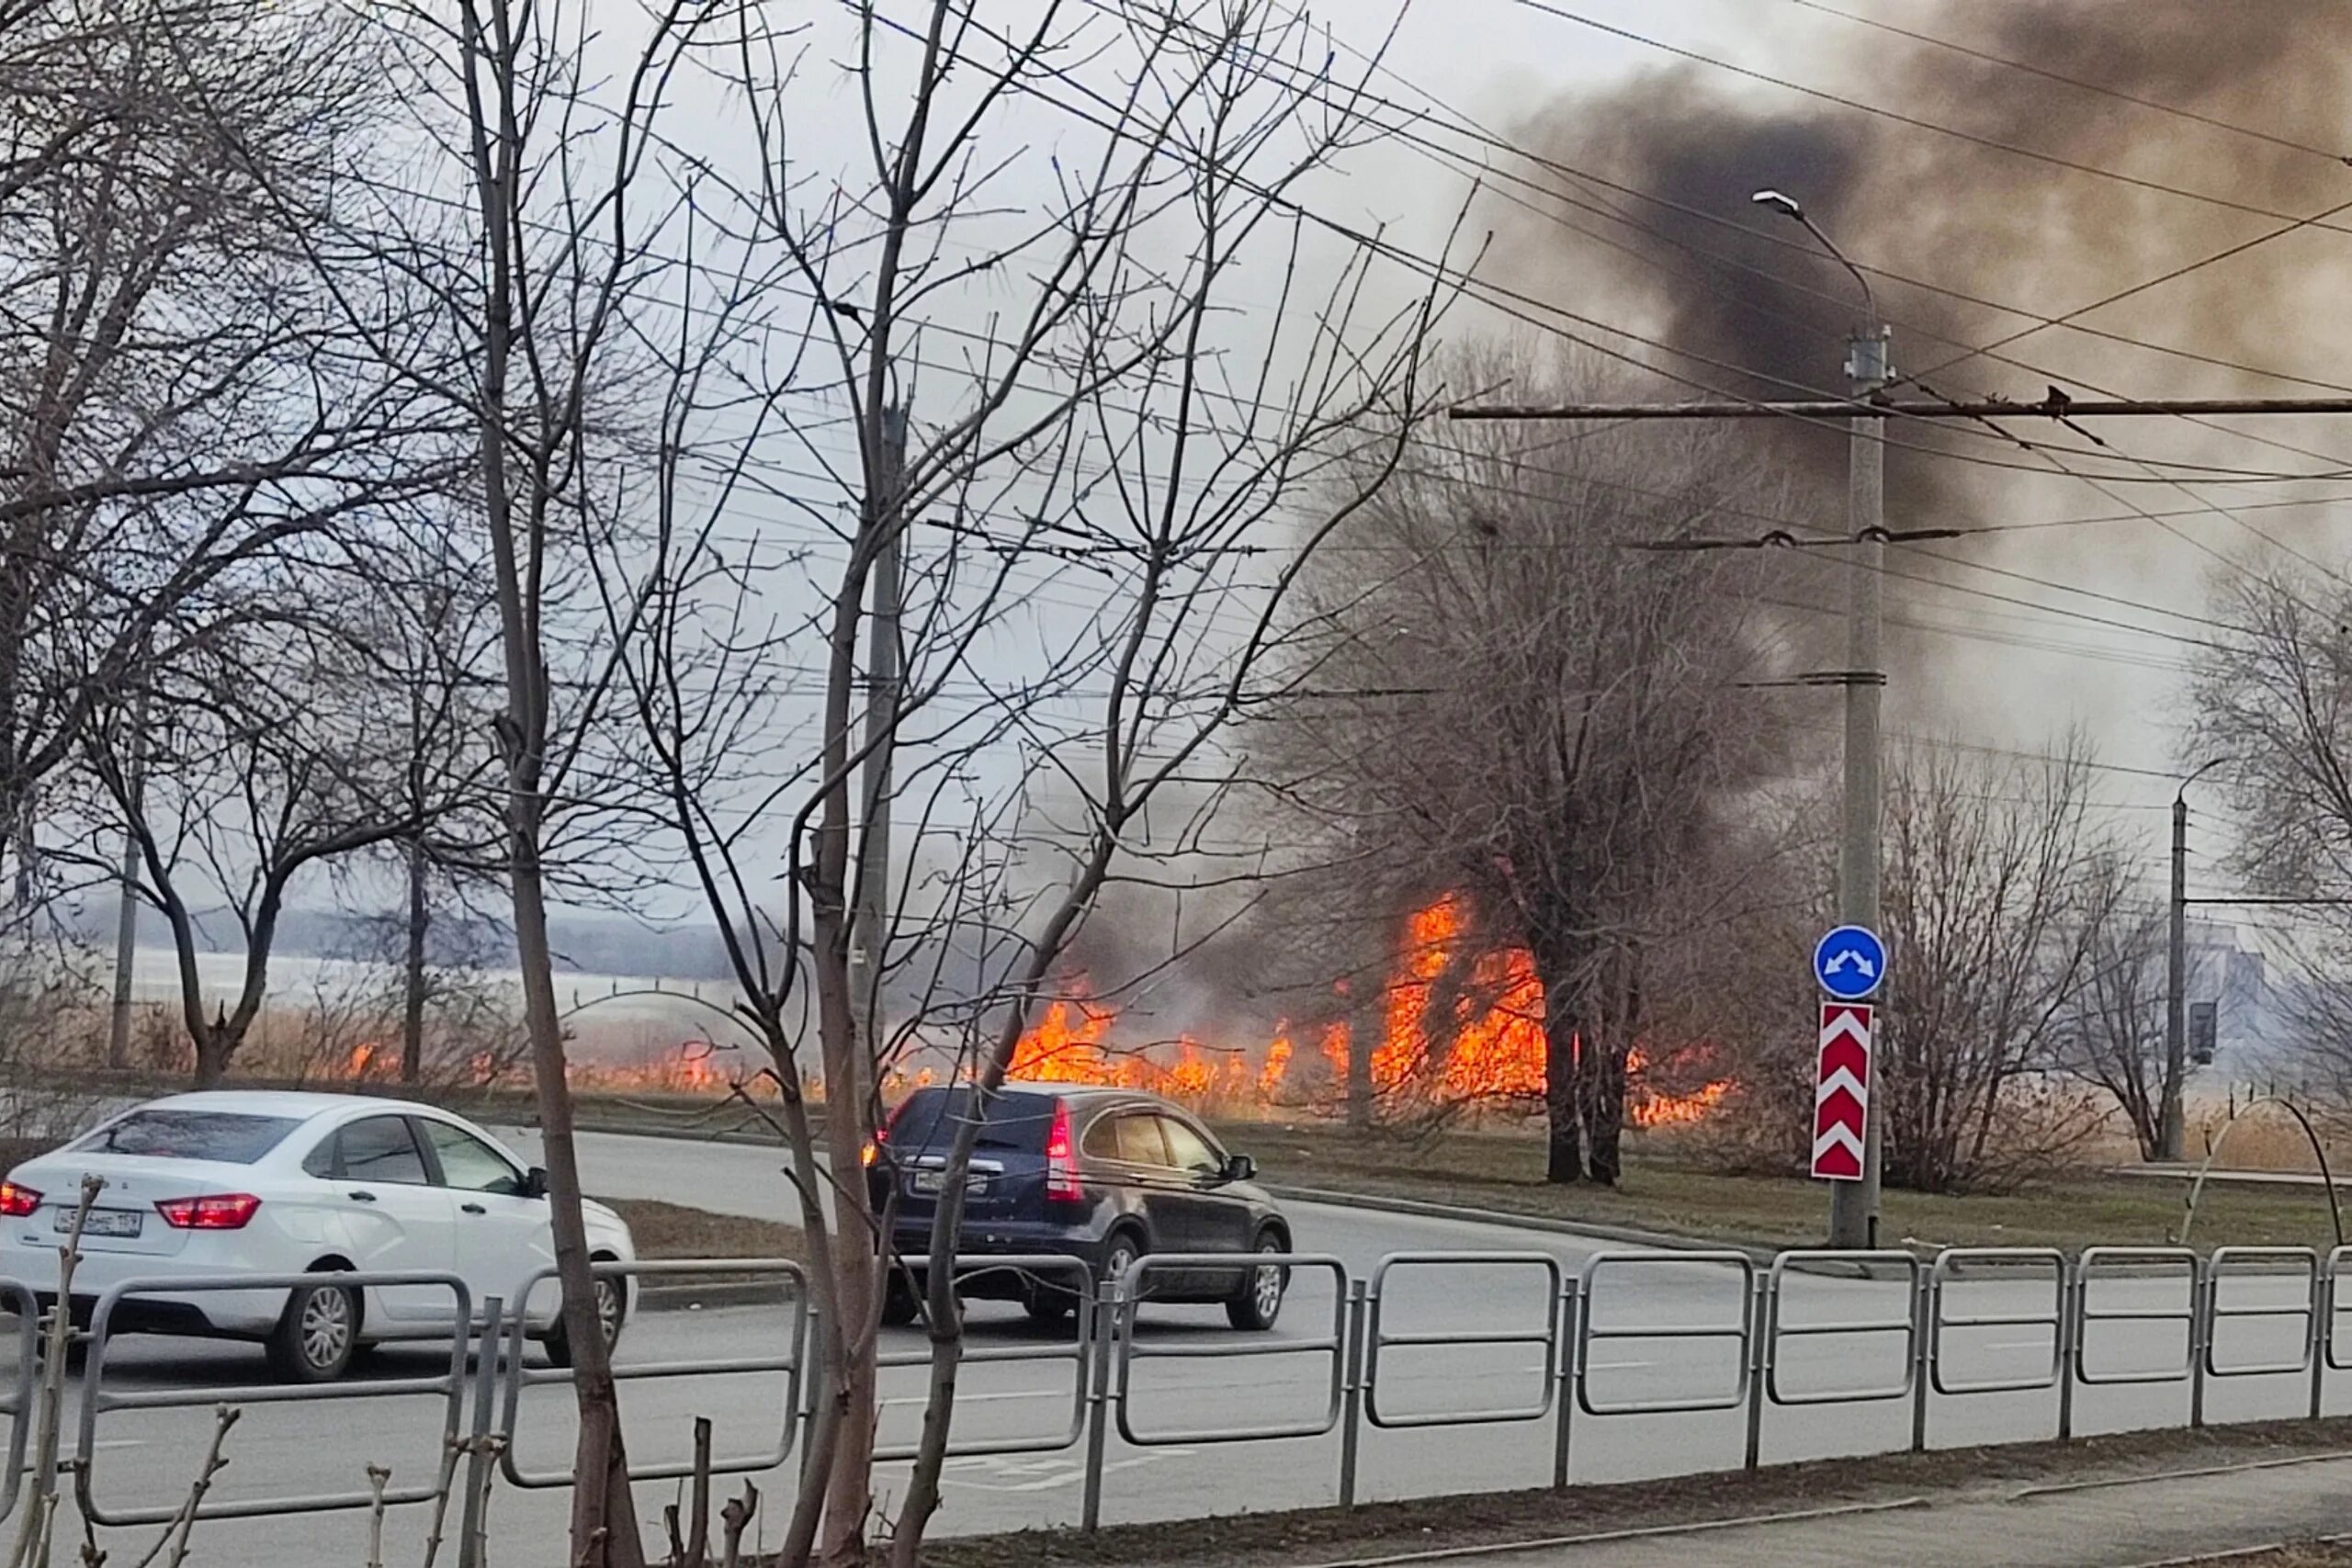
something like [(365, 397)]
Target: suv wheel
[(901, 1304), (316, 1336), (1259, 1300)]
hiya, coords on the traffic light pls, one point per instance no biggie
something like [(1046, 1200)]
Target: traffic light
[(2203, 1023)]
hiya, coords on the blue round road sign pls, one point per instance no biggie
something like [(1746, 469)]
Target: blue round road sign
[(1850, 963)]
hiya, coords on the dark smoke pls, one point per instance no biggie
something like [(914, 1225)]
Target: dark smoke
[(1982, 221)]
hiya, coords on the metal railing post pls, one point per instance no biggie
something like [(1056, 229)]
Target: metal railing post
[(1563, 1368), (478, 1468), (1352, 1411), (1925, 1302), (2201, 1340), (812, 1382), (2070, 1344), (2322, 1336), (1759, 1363), (1108, 1342)]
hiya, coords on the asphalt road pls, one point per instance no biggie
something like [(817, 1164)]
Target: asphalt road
[(1186, 1381)]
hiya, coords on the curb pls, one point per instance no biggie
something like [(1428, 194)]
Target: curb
[(1632, 1236), (720, 1293)]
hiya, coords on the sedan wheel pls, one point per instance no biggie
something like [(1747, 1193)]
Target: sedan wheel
[(612, 1307), (317, 1336)]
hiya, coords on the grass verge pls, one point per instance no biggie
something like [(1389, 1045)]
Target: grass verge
[(1309, 1537), (1505, 1171), (673, 1230)]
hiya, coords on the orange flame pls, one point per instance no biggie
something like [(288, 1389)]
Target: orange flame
[(1457, 1026)]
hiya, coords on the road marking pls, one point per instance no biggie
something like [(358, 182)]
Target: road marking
[(1065, 1396), (1042, 1473)]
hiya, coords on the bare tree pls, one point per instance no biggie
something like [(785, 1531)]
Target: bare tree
[(1995, 897), (2274, 717), (266, 758), (2113, 1032), (515, 309), (1096, 440), (1514, 705), (182, 425)]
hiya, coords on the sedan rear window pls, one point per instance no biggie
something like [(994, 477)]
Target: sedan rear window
[(1019, 1123), (227, 1136)]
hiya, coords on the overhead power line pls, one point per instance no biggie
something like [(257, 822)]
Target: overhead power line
[(2058, 406)]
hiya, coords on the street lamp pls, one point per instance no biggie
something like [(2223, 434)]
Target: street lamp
[(1853, 1205), (1790, 207), (2169, 1131)]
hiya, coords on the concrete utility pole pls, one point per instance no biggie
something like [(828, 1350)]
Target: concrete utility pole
[(2168, 1129), (1853, 1205), (882, 698), (2170, 1135)]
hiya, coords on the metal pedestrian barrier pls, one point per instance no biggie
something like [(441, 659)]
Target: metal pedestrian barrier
[(1591, 1331), (1126, 1294), (2332, 1309), (2125, 1264), (19, 1398), (1077, 1350), (791, 1362), (97, 1399), (1723, 1302), (2300, 1264), (1949, 1267), (1380, 1338), (1778, 1329)]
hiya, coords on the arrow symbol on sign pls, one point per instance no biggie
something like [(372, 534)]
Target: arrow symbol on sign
[(1838, 1155), (1840, 1105), (1851, 958)]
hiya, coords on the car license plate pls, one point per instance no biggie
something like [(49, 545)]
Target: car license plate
[(931, 1183), (104, 1222)]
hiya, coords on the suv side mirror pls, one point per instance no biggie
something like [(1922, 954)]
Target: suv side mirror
[(1240, 1168), (534, 1182)]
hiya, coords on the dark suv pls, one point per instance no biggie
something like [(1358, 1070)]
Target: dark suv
[(1103, 1175)]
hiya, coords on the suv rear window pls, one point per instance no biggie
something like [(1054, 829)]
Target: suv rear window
[(1018, 1123), (228, 1136)]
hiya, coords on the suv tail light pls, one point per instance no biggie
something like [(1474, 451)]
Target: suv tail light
[(220, 1211), (17, 1202), (1062, 1184)]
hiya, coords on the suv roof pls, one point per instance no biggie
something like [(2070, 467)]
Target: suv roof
[(1077, 1093)]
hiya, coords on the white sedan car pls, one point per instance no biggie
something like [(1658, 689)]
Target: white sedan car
[(215, 1186)]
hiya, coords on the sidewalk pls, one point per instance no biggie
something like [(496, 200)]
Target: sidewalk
[(2118, 1524)]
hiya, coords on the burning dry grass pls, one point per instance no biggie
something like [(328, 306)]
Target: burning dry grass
[(1459, 1025)]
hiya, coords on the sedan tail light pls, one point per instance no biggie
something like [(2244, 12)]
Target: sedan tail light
[(1062, 1184), (17, 1202), (217, 1211)]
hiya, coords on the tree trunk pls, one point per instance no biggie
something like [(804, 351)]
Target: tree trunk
[(857, 1260), (1604, 1074), (604, 1512), (1565, 1050), (213, 1052), (413, 971)]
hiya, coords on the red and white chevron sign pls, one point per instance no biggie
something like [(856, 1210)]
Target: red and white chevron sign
[(1841, 1091)]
